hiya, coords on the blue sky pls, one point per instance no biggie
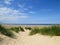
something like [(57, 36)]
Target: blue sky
[(30, 11)]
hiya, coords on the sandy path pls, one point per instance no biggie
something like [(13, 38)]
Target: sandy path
[(24, 39)]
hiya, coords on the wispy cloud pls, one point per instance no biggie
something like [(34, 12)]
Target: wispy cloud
[(11, 14), (14, 15), (8, 1), (28, 8), (23, 6)]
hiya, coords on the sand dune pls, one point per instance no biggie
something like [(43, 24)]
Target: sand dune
[(24, 39)]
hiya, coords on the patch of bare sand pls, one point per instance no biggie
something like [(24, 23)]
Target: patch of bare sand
[(24, 39)]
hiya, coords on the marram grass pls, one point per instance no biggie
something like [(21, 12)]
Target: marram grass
[(29, 28), (34, 31), (6, 32), (17, 29), (51, 31), (9, 32)]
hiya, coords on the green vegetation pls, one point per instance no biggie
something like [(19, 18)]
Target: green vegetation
[(28, 28), (51, 31), (21, 29), (34, 31), (17, 29), (6, 32)]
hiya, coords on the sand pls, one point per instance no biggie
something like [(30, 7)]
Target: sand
[(23, 38)]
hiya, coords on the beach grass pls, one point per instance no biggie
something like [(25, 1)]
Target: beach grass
[(21, 28), (51, 31), (6, 32), (17, 29), (35, 30), (29, 28)]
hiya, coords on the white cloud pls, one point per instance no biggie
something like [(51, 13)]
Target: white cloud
[(11, 14), (23, 6), (7, 1)]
